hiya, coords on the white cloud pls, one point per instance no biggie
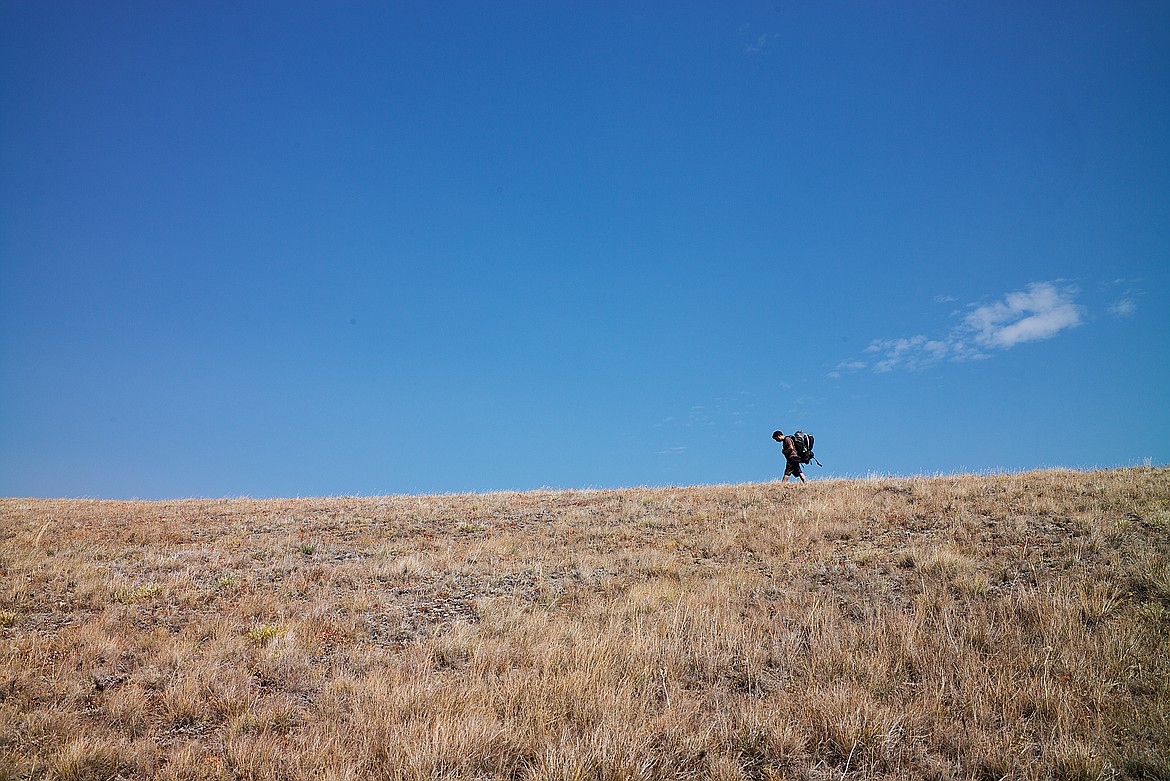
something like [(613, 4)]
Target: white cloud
[(1040, 312)]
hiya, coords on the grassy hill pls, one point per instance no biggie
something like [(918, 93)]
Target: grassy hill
[(961, 627)]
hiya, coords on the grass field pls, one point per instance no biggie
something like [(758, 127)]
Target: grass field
[(969, 627)]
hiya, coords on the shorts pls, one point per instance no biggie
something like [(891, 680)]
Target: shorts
[(792, 468)]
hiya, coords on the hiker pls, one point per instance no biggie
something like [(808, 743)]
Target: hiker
[(792, 457)]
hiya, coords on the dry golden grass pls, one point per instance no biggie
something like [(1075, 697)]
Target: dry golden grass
[(972, 627)]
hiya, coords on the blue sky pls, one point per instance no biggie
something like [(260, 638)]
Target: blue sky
[(291, 249)]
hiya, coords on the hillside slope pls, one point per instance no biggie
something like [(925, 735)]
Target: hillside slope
[(951, 627)]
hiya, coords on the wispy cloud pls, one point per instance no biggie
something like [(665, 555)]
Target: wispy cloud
[(761, 44), (1040, 312), (756, 44), (1123, 308), (915, 352), (721, 416), (1125, 294)]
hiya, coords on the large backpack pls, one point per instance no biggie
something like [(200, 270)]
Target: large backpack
[(804, 446)]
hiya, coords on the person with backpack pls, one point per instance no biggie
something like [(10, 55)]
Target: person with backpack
[(797, 450)]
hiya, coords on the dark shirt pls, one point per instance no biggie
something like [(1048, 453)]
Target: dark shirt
[(788, 447)]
